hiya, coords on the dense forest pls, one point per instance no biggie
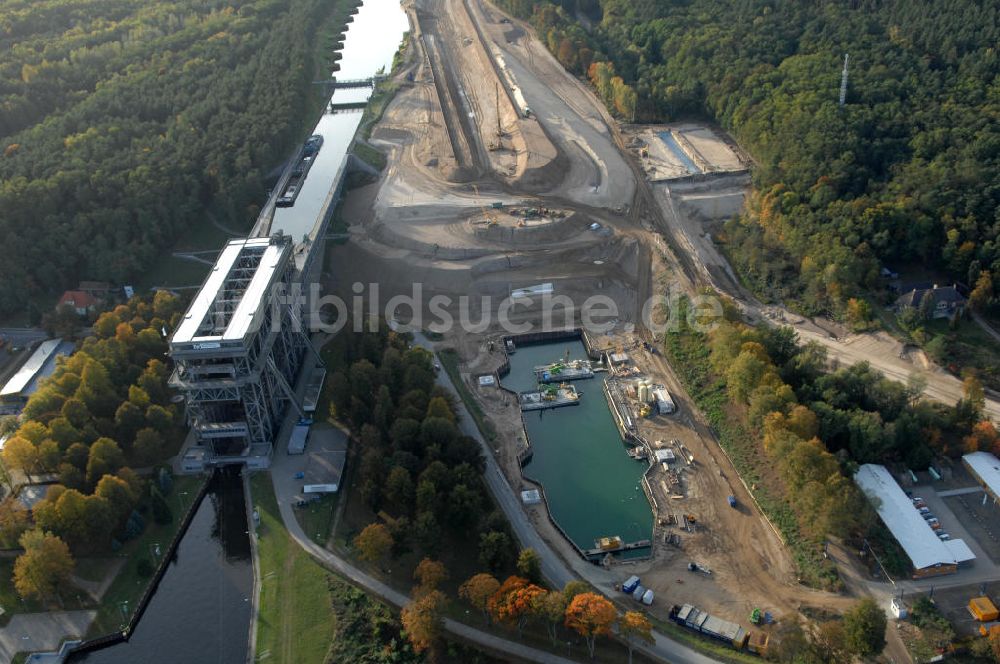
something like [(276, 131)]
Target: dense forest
[(906, 173), (417, 471), (122, 122)]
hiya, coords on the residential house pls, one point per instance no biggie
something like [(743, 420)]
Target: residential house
[(933, 301), (81, 302)]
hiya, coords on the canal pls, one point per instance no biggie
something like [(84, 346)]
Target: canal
[(201, 610), (591, 484), (372, 39)]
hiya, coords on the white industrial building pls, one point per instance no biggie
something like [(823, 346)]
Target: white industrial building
[(238, 351), (929, 555), (986, 469), (40, 364)]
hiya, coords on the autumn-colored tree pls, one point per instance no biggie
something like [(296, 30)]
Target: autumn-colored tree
[(983, 437), (509, 585), (859, 314), (981, 296), (438, 407), (478, 590), (19, 453), (429, 574), (590, 615), (422, 620), (529, 565), (634, 626), (105, 459), (551, 608), (14, 520), (44, 567), (994, 639), (373, 543), (516, 602), (973, 394)]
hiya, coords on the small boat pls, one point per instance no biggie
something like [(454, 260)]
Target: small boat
[(613, 543)]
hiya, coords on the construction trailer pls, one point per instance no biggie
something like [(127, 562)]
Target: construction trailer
[(709, 625), (983, 609), (664, 403), (238, 350)]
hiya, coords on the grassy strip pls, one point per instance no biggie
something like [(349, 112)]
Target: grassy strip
[(366, 153), (703, 644), (310, 615), (384, 93), (449, 360), (129, 585), (317, 518), (295, 623), (688, 352)]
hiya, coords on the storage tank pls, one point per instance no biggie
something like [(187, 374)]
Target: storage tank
[(643, 392)]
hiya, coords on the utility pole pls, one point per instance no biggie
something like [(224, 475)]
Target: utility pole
[(843, 81), (499, 128)]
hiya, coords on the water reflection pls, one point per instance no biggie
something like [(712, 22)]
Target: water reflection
[(201, 611)]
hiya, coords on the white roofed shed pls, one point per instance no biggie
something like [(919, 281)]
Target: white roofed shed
[(906, 524)]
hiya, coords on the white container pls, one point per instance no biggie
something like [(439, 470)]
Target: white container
[(647, 597), (638, 593)]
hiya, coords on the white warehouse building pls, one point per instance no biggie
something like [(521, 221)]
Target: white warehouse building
[(929, 555)]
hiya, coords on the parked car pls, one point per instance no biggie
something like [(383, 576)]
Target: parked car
[(944, 537), (927, 516), (924, 510)]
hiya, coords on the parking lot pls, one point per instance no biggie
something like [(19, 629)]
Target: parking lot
[(961, 523)]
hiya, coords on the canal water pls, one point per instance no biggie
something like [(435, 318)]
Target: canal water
[(591, 484), (200, 612), (371, 41)]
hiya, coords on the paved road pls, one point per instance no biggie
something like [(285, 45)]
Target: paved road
[(554, 568), (41, 631), (985, 325), (22, 336), (285, 489)]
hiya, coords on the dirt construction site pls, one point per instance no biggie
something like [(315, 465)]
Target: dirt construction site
[(505, 172)]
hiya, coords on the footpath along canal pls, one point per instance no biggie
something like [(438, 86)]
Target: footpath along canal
[(591, 484)]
